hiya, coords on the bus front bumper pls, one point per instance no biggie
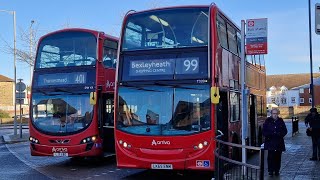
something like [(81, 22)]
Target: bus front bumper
[(83, 150)]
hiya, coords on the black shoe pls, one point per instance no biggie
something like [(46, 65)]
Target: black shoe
[(313, 159), (270, 174), (276, 173)]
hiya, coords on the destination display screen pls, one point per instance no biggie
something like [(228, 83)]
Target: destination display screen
[(164, 66), (152, 67), (61, 79)]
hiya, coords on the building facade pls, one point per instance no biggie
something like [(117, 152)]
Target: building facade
[(281, 97), (305, 98), (6, 91)]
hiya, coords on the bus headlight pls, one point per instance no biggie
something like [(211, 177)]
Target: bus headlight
[(88, 140), (201, 145), (34, 140), (125, 144)]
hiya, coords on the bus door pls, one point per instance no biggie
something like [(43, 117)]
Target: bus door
[(222, 115), (108, 123), (252, 119)]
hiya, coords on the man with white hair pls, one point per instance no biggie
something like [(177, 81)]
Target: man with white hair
[(274, 130)]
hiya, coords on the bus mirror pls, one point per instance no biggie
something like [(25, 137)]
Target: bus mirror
[(215, 97), (93, 98)]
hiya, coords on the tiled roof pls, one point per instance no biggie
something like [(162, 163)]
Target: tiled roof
[(290, 80), (5, 79)]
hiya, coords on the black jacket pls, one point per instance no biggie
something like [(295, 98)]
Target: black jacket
[(273, 132), (314, 122)]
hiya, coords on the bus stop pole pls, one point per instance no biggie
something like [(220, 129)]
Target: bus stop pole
[(243, 95)]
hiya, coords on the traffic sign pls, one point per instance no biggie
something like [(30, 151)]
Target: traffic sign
[(20, 87)]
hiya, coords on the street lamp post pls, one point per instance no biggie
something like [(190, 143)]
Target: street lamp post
[(31, 58), (311, 70), (15, 69)]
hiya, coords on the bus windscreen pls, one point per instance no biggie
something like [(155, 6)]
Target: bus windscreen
[(61, 112), (164, 110), (67, 49), (168, 28)]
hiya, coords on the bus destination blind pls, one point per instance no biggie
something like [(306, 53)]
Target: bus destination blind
[(164, 66), (62, 78)]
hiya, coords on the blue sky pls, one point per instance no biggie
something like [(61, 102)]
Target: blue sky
[(288, 37)]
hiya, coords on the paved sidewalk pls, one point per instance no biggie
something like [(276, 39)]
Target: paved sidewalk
[(295, 160), (11, 138)]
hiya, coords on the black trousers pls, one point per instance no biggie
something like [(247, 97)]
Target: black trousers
[(315, 147), (274, 160)]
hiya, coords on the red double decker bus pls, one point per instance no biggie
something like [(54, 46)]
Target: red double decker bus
[(177, 88), (71, 109)]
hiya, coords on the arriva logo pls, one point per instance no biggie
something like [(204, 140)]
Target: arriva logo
[(60, 150), (163, 142), (110, 84)]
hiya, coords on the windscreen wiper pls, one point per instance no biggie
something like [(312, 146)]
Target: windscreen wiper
[(70, 92), (140, 88), (175, 86)]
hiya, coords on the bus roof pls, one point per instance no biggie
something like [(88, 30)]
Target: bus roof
[(188, 6), (94, 32), (170, 7)]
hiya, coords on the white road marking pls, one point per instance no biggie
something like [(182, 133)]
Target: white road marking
[(32, 166)]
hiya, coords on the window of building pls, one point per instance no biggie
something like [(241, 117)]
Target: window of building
[(301, 100), (301, 90), (310, 100), (283, 100), (293, 99), (273, 99)]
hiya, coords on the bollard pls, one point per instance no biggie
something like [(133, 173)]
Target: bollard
[(295, 125)]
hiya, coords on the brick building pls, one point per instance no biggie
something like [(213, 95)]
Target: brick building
[(305, 93), (6, 91)]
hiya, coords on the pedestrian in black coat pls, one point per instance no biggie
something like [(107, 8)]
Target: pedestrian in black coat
[(274, 130), (312, 121)]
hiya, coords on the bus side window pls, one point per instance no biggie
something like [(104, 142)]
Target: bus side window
[(110, 53), (222, 32)]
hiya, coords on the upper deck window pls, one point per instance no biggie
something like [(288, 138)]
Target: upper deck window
[(67, 49), (169, 28)]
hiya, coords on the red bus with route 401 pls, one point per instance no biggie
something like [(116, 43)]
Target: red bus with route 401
[(72, 94)]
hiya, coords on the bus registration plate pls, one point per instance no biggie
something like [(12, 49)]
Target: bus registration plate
[(161, 166), (60, 154)]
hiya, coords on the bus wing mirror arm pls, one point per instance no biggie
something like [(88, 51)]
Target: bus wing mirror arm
[(215, 96), (93, 98)]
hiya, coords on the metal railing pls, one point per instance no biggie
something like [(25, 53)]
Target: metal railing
[(295, 125), (230, 168)]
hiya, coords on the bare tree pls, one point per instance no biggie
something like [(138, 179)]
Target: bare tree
[(28, 41)]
